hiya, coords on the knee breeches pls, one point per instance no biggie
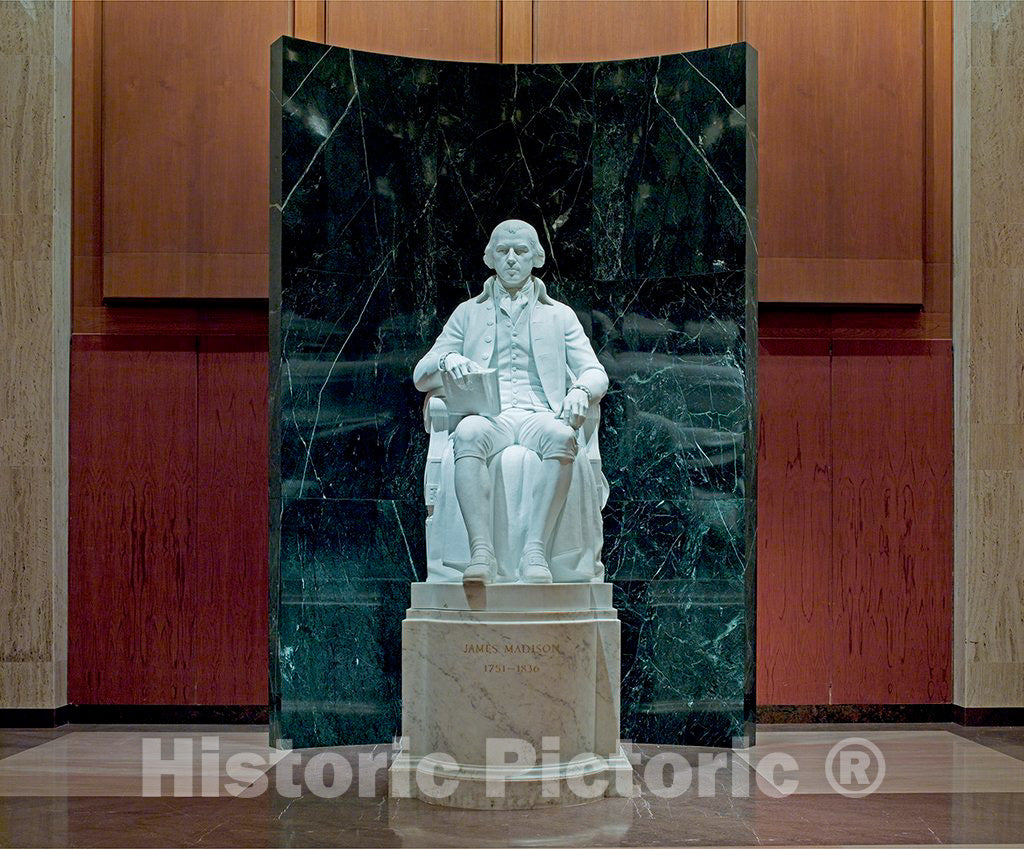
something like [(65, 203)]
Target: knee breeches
[(542, 432)]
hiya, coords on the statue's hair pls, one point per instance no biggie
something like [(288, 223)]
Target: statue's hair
[(516, 226)]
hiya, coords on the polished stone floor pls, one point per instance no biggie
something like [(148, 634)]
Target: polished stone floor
[(87, 786)]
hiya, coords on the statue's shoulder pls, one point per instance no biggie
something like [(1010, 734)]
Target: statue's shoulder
[(544, 297), (563, 310), (462, 308)]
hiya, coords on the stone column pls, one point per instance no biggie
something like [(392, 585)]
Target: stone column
[(988, 339), (35, 325)]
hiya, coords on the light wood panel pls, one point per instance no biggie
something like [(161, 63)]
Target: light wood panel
[(840, 280), (469, 30), (89, 312), (87, 156), (725, 24), (993, 594), (841, 146), (516, 31), (963, 431), (938, 151), (794, 540), (310, 20), (593, 30), (185, 274), (892, 518), (183, 150)]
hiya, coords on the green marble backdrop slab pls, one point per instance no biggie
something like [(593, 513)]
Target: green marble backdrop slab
[(387, 176)]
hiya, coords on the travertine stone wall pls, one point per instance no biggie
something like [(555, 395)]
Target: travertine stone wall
[(988, 334), (35, 277)]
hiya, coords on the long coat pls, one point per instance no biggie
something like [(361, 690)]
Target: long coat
[(560, 348), (564, 357)]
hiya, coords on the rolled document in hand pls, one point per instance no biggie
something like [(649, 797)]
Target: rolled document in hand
[(477, 393)]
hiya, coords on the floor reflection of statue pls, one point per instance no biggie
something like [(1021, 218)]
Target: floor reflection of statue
[(550, 383)]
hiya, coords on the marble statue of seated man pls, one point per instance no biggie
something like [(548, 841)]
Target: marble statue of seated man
[(550, 382)]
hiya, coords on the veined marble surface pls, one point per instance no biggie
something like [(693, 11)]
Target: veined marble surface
[(518, 696), (641, 178)]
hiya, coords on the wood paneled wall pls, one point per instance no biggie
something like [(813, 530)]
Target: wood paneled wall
[(179, 206), (855, 156), (892, 506), (568, 31), (841, 150), (795, 651), (168, 529), (231, 518), (468, 30), (855, 521), (853, 599), (168, 508), (873, 623), (132, 610)]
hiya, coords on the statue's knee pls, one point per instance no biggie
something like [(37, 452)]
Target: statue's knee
[(561, 434), (471, 437), (559, 441)]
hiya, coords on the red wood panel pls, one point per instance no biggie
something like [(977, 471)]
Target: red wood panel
[(892, 513), (794, 545), (231, 593), (132, 541)]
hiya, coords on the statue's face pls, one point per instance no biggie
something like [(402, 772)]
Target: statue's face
[(513, 258)]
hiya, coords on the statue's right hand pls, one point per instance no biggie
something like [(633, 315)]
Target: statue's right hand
[(459, 367)]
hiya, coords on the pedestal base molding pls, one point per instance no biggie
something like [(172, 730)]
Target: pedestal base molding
[(510, 697)]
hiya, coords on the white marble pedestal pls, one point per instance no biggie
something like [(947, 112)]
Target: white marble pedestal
[(510, 696)]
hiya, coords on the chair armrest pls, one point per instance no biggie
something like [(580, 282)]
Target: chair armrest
[(588, 431), (435, 412), (435, 421)]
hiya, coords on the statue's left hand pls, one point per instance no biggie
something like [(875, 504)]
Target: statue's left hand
[(574, 408)]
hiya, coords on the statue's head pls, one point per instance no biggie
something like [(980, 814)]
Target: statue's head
[(513, 252)]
